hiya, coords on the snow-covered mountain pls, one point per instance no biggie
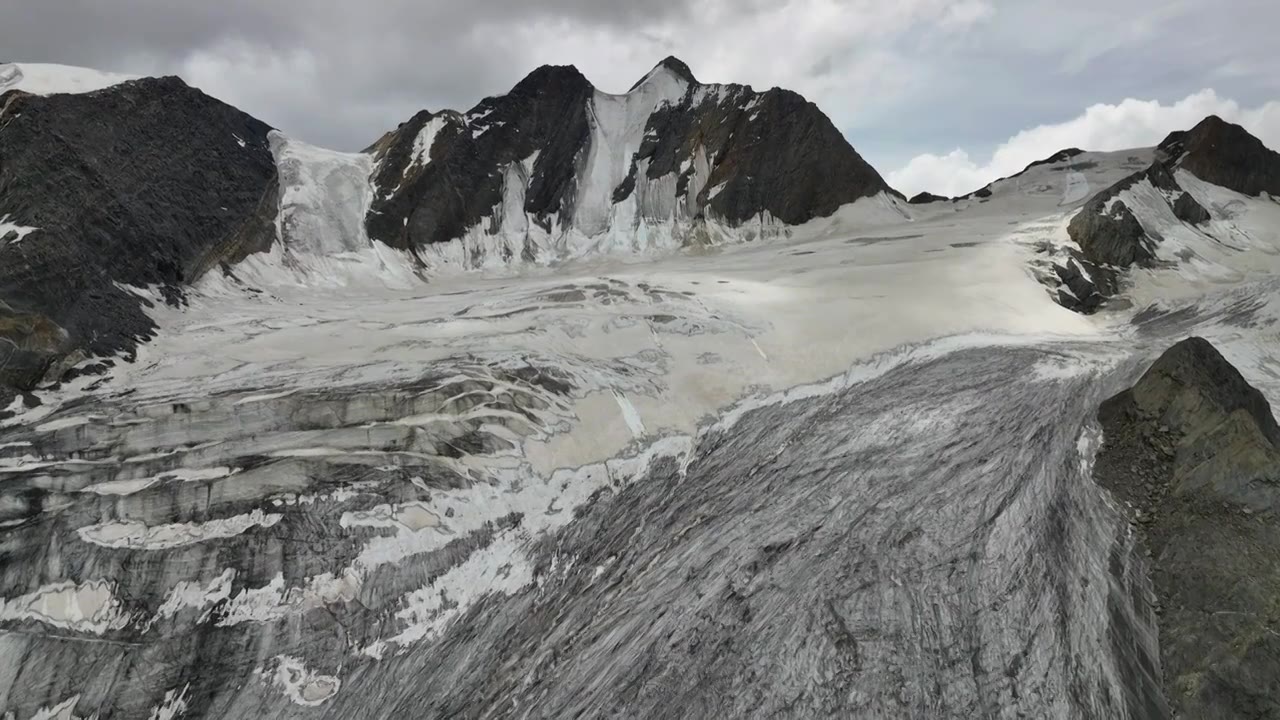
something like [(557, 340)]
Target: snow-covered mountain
[(558, 168), (646, 405), (176, 184)]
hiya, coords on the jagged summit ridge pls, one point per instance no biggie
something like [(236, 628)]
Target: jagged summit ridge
[(557, 168)]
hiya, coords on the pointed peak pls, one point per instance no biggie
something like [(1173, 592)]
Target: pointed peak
[(566, 77), (1224, 154), (677, 66), (1213, 122), (670, 64)]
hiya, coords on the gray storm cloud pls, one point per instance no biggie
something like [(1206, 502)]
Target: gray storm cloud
[(903, 79)]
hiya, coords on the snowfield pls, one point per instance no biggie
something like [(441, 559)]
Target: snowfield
[(51, 79)]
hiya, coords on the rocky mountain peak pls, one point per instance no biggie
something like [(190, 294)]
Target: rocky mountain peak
[(552, 78), (1225, 154), (673, 65), (147, 183), (555, 165)]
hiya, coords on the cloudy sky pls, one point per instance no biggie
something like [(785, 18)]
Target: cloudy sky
[(942, 95)]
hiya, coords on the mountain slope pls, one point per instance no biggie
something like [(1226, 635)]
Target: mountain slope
[(557, 167), (109, 183), (1161, 216), (148, 183)]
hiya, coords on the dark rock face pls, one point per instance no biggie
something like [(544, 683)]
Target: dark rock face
[(1080, 293), (1194, 450), (1112, 238), (771, 152), (1225, 154), (148, 183), (677, 67), (926, 197), (1189, 211), (435, 202), (1060, 156)]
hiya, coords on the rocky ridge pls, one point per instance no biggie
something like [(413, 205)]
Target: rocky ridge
[(147, 184), (555, 164), (1119, 227), (1193, 451)]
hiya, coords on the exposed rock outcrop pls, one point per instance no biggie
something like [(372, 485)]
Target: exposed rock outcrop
[(1186, 209), (986, 191), (1224, 154), (1106, 229), (145, 184), (1114, 235), (557, 157), (1194, 451), (926, 197), (440, 174)]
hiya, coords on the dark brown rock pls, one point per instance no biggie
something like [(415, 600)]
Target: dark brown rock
[(1225, 154), (1111, 237), (546, 112), (1189, 211), (1194, 450), (770, 152)]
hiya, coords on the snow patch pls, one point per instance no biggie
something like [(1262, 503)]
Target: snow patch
[(425, 139), (13, 230), (173, 706), (129, 487), (137, 535), (191, 595), (298, 683), (88, 607), (51, 79)]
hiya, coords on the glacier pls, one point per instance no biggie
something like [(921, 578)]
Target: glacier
[(841, 468)]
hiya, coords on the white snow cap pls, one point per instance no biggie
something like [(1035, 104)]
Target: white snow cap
[(49, 79)]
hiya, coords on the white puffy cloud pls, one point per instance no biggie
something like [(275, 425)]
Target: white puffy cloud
[(1127, 124)]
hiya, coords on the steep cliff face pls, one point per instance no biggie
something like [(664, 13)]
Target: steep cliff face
[(1194, 451), (440, 174), (557, 167), (145, 183)]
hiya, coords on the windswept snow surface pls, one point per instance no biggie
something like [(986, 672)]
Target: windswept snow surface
[(858, 452), (50, 79)]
